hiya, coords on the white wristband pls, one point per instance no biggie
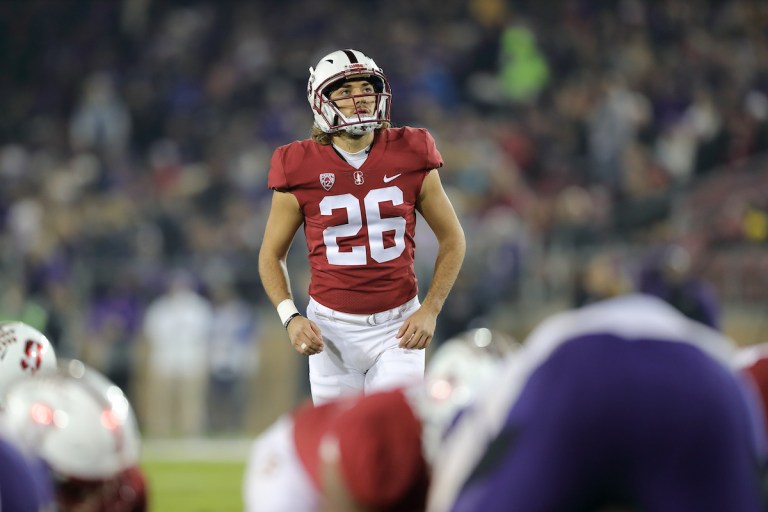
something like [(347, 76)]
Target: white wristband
[(286, 309)]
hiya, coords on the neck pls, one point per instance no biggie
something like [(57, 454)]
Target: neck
[(352, 143)]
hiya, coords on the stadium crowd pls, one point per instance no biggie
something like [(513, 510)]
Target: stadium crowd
[(136, 136)]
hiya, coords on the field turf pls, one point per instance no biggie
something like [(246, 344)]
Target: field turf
[(194, 484)]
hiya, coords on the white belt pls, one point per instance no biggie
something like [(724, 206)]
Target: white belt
[(374, 319)]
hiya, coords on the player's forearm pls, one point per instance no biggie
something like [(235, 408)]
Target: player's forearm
[(447, 266), (274, 278)]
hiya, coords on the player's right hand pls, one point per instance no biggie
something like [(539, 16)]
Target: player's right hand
[(305, 336)]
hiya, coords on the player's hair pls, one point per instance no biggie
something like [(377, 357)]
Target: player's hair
[(325, 139)]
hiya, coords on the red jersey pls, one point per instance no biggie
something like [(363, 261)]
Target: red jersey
[(359, 223)]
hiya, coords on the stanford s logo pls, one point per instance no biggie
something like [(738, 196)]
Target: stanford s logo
[(32, 357), (358, 177), (327, 179)]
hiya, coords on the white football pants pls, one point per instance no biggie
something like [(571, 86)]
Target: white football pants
[(361, 352)]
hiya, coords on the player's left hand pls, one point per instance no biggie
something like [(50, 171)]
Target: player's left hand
[(417, 330)]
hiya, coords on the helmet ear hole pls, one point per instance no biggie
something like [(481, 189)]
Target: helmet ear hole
[(378, 85), (326, 93)]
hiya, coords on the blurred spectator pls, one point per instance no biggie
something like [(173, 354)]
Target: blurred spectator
[(602, 277), (101, 121), (15, 304), (113, 325), (177, 329), (524, 71), (578, 217), (618, 116), (233, 358), (668, 274)]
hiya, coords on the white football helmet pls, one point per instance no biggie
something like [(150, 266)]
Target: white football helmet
[(24, 351), (76, 420), (457, 371), (330, 72)]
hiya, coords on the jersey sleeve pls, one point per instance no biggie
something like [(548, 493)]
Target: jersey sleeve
[(433, 156), (277, 179)]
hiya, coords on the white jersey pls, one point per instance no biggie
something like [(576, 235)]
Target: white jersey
[(275, 479)]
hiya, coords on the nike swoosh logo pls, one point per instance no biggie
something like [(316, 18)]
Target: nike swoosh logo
[(387, 179)]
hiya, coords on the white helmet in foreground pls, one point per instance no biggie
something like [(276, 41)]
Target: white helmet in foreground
[(333, 70), (76, 420), (460, 368), (24, 351)]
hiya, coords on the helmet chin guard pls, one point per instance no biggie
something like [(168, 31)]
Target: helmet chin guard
[(334, 69)]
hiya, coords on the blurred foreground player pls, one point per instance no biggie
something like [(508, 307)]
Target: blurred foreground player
[(25, 483), (83, 427), (358, 453), (460, 369), (753, 361), (25, 480), (370, 452), (622, 404)]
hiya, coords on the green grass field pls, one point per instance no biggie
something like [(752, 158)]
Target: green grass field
[(194, 481)]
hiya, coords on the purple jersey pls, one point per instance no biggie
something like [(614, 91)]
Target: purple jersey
[(25, 483), (625, 403)]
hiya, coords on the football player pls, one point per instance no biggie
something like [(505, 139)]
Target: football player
[(359, 452), (457, 372), (624, 404), (356, 186), (370, 452), (25, 480), (84, 428)]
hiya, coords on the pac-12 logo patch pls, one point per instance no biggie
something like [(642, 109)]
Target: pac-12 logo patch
[(358, 175), (327, 179)]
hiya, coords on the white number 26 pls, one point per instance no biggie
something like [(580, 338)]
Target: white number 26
[(376, 227)]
